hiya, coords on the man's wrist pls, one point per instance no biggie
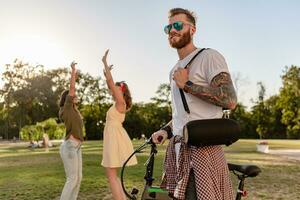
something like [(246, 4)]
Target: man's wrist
[(188, 86), (168, 129)]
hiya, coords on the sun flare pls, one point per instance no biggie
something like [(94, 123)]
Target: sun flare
[(33, 49)]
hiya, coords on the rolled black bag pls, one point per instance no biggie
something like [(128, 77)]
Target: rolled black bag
[(208, 132)]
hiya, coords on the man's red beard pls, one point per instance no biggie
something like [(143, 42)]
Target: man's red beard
[(184, 39)]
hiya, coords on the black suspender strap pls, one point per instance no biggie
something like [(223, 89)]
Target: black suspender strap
[(185, 105)]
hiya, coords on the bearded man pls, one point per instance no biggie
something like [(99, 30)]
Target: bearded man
[(195, 172)]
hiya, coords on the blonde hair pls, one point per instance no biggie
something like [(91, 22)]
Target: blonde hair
[(189, 14)]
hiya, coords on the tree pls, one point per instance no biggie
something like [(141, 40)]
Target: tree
[(266, 115), (89, 89), (289, 101), (146, 119), (260, 113), (163, 94), (15, 78), (49, 126), (31, 94), (244, 118), (94, 116), (275, 128)]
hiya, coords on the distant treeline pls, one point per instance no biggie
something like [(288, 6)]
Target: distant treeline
[(30, 95)]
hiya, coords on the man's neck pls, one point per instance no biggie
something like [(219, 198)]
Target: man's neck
[(185, 51)]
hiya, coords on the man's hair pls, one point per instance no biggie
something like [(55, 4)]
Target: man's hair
[(189, 14)]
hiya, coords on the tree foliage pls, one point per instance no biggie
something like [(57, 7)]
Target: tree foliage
[(49, 127), (289, 101), (29, 106)]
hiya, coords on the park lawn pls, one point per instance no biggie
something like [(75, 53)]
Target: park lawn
[(38, 174)]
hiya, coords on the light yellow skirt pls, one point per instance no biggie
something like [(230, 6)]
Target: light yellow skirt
[(117, 147)]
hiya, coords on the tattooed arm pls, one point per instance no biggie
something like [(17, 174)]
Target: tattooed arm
[(220, 92)]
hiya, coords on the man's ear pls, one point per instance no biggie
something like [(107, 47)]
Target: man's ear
[(193, 30)]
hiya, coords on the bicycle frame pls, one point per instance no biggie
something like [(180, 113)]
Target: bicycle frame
[(150, 192), (156, 193)]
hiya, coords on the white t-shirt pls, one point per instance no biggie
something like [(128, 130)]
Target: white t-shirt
[(202, 70)]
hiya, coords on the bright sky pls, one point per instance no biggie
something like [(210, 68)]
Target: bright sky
[(257, 38)]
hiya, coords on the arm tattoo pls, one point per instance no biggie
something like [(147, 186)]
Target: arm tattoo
[(220, 92)]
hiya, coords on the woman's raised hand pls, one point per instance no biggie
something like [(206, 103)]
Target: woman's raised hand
[(107, 68), (73, 65), (74, 70)]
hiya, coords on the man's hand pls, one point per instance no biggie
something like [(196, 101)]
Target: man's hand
[(181, 76), (159, 137)]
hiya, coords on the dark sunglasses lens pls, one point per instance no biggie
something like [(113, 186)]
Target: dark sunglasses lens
[(178, 26), (167, 28)]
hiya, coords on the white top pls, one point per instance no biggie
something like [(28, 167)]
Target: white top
[(202, 70)]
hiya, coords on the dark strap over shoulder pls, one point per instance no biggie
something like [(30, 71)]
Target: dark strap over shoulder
[(194, 57), (185, 105)]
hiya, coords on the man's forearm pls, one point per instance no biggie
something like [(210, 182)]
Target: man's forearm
[(221, 91)]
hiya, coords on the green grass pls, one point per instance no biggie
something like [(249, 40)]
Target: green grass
[(36, 174)]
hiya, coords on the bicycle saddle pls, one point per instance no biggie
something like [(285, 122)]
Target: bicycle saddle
[(249, 170)]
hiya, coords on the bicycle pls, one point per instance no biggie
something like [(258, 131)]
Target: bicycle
[(151, 192)]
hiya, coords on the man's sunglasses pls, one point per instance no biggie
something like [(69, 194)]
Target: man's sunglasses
[(176, 25)]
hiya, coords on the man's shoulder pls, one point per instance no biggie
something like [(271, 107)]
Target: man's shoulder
[(211, 52)]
